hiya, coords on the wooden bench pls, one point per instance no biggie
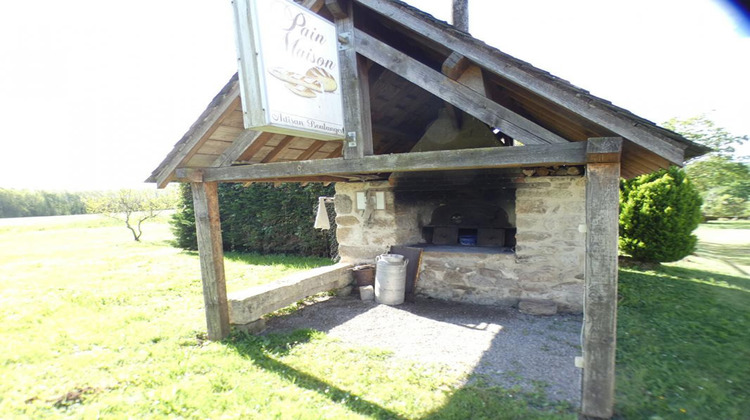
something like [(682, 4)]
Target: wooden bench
[(246, 307)]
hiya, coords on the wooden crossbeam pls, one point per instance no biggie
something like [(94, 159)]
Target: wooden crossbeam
[(488, 157), (484, 109)]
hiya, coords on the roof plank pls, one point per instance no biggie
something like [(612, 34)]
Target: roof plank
[(238, 147)]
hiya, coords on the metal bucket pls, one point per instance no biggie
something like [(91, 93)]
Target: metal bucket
[(390, 279), (364, 275)]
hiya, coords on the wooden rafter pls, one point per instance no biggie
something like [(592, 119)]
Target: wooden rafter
[(456, 94), (238, 147), (336, 152), (274, 154), (307, 154)]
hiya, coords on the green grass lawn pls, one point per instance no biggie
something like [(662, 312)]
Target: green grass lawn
[(684, 332), (97, 325)]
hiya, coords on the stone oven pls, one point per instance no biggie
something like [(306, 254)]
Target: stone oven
[(491, 237)]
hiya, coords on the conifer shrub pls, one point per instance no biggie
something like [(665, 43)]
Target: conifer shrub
[(658, 213)]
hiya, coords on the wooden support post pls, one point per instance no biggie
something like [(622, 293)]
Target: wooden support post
[(208, 229), (600, 296), (355, 84)]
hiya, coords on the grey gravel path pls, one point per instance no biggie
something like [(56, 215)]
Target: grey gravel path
[(504, 346)]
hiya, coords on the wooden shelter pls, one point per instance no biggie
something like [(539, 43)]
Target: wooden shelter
[(401, 71)]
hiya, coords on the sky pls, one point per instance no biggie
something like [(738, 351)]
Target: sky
[(94, 94)]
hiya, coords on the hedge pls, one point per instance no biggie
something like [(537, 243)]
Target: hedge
[(263, 218)]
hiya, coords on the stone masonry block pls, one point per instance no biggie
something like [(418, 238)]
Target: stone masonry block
[(537, 307), (343, 204), (347, 221)]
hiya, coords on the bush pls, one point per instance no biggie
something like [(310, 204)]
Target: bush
[(262, 218), (183, 220), (658, 213)]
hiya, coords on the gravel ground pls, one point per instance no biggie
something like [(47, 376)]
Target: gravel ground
[(504, 346)]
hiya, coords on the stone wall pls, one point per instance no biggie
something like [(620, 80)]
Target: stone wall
[(364, 234), (548, 262)]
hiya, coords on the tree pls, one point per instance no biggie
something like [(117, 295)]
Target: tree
[(702, 130), (131, 206), (721, 178), (723, 184), (658, 213), (26, 203)]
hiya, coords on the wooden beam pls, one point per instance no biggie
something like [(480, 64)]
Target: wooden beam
[(355, 87), (302, 179), (307, 154), (604, 150), (473, 79), (488, 157), (238, 147), (271, 157), (517, 72), (484, 109), (336, 152), (600, 279), (314, 5), (210, 249), (455, 65), (337, 9)]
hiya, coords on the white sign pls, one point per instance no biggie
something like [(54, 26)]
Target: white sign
[(289, 70)]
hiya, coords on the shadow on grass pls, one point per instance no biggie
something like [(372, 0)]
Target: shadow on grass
[(478, 400), (731, 255), (682, 340), (728, 224), (707, 277), (483, 396), (262, 350)]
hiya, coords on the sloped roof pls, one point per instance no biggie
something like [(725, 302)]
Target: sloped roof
[(402, 110)]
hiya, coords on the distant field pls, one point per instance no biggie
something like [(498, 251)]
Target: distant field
[(724, 247), (97, 325)]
